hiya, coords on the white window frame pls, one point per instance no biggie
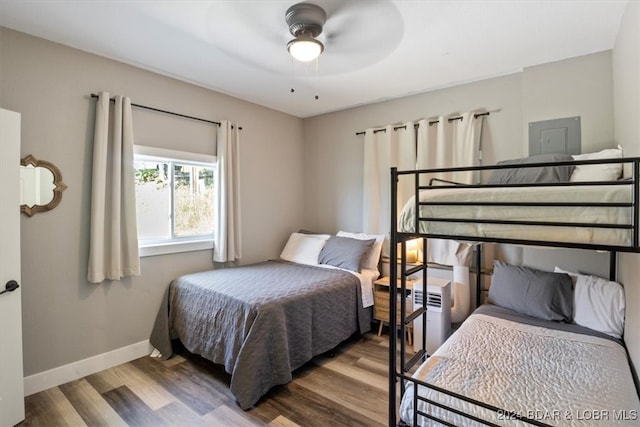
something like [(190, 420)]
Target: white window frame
[(153, 247)]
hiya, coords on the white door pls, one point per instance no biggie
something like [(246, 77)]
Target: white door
[(11, 375)]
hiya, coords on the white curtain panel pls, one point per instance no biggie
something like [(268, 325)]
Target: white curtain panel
[(393, 147), (431, 148), (372, 181), (466, 146), (113, 247), (403, 146), (450, 144), (227, 247)]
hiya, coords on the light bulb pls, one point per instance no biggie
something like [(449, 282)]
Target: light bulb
[(304, 48)]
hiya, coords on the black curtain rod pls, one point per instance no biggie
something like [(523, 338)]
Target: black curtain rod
[(451, 119), (93, 95)]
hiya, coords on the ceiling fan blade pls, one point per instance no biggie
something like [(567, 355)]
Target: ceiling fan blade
[(335, 7), (361, 20), (351, 33)]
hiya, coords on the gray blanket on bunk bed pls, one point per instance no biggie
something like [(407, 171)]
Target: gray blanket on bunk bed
[(260, 321)]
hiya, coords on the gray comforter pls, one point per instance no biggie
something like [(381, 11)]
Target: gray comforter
[(260, 321)]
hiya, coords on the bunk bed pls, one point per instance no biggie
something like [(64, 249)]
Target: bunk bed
[(501, 366)]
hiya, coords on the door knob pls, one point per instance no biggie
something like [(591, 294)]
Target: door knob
[(11, 286)]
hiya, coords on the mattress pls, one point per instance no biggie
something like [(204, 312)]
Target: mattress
[(558, 376), (543, 233)]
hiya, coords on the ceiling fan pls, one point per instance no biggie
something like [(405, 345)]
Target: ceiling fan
[(347, 33), (305, 22)]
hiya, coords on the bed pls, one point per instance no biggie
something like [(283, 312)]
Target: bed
[(492, 370), (591, 214), (262, 321), (526, 366), (551, 199)]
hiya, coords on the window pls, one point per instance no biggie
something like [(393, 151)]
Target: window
[(175, 193)]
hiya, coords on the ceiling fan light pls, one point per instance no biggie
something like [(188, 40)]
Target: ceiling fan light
[(304, 48)]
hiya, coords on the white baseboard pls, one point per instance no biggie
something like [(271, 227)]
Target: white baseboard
[(63, 374)]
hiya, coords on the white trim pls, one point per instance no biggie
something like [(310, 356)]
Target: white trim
[(173, 247), (173, 154), (73, 371)]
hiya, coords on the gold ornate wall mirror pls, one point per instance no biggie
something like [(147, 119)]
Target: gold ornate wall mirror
[(41, 185)]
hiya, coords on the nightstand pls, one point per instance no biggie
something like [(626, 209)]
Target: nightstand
[(381, 303)]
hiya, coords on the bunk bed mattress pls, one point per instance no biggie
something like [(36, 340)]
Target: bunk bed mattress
[(261, 321), (551, 375), (584, 214)]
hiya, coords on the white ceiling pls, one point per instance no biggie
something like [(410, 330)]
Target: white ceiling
[(374, 50)]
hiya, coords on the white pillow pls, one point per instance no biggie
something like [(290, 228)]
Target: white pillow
[(604, 172), (304, 248), (599, 304), (371, 263)]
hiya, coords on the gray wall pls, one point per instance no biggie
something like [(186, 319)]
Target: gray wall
[(333, 153), (626, 77), (581, 86), (66, 319)]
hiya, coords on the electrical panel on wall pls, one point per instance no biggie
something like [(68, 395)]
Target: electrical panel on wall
[(555, 136)]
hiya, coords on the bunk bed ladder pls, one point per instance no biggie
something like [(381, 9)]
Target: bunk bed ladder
[(636, 209), (399, 274)]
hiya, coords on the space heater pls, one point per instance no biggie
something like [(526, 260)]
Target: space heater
[(438, 306)]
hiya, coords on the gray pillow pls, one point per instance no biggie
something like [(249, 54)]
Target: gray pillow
[(345, 252), (541, 294), (534, 174)]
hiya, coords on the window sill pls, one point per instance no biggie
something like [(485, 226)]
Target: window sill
[(174, 247)]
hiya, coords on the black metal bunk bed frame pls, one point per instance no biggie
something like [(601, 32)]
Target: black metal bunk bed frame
[(398, 371)]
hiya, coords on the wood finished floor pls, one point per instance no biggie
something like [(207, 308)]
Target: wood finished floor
[(349, 389)]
